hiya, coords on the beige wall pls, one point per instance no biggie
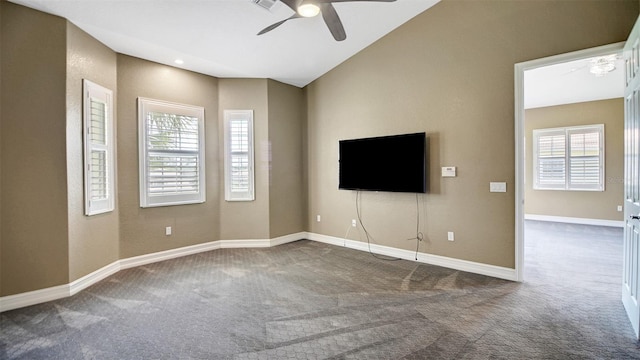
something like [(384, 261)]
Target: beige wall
[(448, 72), (46, 239), (93, 240), (142, 231), (33, 130), (278, 115), (247, 219), (286, 113), (580, 204)]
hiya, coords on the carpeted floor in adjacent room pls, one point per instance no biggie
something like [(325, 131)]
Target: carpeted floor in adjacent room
[(308, 300)]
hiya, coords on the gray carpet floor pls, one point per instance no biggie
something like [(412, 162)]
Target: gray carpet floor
[(307, 300)]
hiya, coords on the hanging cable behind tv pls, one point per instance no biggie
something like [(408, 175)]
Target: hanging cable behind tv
[(419, 235)]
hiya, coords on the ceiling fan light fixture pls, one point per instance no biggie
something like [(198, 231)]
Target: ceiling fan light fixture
[(308, 9)]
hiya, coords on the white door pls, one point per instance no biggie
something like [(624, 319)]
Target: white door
[(631, 249)]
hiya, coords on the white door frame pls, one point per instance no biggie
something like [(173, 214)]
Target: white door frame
[(519, 70)]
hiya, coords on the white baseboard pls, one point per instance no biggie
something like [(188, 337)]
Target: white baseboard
[(469, 266), (61, 291), (34, 297), (457, 264), (331, 240), (92, 278), (288, 238), (574, 220), (57, 292), (167, 254)]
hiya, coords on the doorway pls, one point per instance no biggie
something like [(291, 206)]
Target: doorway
[(520, 133)]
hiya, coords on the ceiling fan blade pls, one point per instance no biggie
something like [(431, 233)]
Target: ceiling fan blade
[(275, 25), (331, 18)]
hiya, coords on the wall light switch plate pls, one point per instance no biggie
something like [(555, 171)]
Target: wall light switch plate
[(498, 187), (448, 171)]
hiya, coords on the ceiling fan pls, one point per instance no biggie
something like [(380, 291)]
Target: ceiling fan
[(311, 8)]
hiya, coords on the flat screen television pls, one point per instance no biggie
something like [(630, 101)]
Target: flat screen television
[(388, 163)]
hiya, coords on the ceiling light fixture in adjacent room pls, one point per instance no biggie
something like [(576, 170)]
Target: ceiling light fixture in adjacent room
[(308, 9), (602, 65), (179, 61)]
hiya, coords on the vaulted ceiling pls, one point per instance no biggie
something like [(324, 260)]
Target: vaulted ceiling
[(219, 37)]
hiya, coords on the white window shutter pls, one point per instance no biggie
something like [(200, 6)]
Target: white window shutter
[(239, 162), (171, 153), (570, 158), (99, 162), (551, 162), (585, 170)]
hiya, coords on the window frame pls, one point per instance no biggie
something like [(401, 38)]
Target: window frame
[(147, 200), (92, 91), (249, 194), (569, 183)]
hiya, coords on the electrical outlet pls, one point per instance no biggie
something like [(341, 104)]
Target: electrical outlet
[(619, 207), (450, 236), (167, 230), (353, 222), (318, 218)]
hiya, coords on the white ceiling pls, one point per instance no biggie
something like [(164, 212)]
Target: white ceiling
[(571, 82), (218, 37)]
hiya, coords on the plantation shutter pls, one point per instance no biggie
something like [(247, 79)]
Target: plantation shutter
[(98, 158), (171, 153), (569, 158), (551, 168), (172, 143), (239, 176), (98, 140), (585, 170), (239, 144)]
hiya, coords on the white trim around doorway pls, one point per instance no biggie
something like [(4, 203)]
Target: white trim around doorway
[(519, 70)]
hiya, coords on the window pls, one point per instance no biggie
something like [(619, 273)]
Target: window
[(238, 151), (570, 158), (99, 184), (171, 150)]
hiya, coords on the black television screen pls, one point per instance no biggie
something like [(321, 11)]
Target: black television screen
[(389, 163)]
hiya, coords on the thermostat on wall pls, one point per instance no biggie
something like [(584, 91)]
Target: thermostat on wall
[(448, 171)]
